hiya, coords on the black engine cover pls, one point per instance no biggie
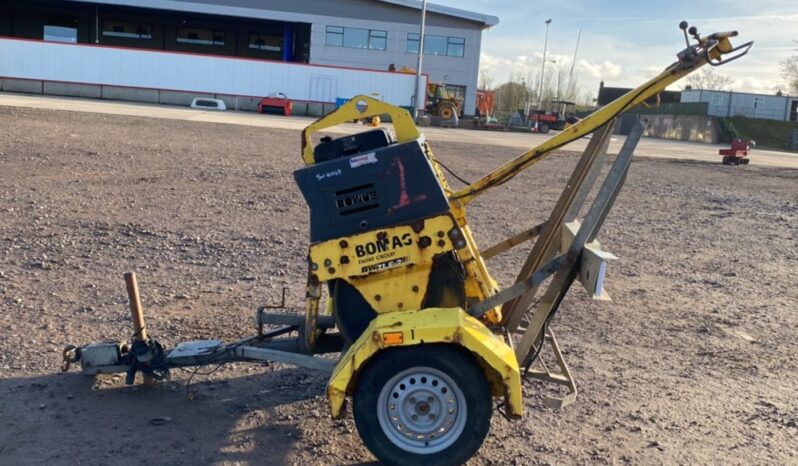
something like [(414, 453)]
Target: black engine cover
[(373, 189)]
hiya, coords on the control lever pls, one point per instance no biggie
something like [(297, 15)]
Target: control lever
[(683, 27)]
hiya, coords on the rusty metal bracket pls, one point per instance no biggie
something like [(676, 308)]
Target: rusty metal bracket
[(561, 376)]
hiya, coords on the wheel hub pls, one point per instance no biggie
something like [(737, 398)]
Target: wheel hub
[(422, 410)]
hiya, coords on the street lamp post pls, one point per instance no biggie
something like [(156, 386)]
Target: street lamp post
[(543, 66), (416, 100)]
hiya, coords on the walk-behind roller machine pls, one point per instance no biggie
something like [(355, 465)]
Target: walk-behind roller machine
[(398, 286)]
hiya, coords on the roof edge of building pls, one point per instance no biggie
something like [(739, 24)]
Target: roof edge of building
[(207, 8), (487, 20)]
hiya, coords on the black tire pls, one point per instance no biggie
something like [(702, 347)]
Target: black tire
[(725, 160), (544, 128), (466, 431), (447, 111), (746, 161)]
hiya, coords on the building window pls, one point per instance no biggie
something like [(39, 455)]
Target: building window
[(717, 100), (61, 29), (200, 36), (455, 46), (378, 40), (437, 45), (335, 36), (127, 30), (356, 38), (266, 42)]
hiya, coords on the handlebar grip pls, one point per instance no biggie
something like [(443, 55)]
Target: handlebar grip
[(723, 35)]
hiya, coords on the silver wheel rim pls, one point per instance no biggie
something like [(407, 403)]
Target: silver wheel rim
[(422, 410)]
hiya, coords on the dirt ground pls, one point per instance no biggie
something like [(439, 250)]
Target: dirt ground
[(693, 362)]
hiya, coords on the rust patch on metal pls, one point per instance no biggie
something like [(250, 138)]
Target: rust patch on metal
[(344, 260), (424, 242), (418, 226)]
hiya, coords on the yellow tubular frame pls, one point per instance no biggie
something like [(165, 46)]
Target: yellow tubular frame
[(403, 123)]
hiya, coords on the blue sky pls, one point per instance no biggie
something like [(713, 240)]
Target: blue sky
[(626, 42)]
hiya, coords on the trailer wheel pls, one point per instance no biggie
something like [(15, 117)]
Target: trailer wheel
[(423, 404), (544, 128)]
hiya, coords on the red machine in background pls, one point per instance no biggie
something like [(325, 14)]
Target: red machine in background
[(738, 153), (275, 103), (484, 118), (485, 99), (542, 121)]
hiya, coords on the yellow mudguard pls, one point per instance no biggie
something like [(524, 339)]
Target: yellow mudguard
[(434, 325)]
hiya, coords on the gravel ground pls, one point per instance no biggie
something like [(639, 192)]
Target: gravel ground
[(694, 360)]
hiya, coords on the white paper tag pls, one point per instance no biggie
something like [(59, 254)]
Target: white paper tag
[(364, 159)]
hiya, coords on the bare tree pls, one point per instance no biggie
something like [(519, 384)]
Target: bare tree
[(708, 79), (485, 79), (789, 71)]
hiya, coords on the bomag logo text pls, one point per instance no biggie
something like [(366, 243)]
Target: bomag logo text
[(383, 245)]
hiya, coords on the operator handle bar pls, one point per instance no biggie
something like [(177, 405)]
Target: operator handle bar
[(710, 51), (723, 35)]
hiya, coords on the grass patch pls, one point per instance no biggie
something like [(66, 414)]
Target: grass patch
[(766, 133)]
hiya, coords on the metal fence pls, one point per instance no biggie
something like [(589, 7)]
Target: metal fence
[(677, 108)]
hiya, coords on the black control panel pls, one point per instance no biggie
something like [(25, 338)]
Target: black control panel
[(371, 187)]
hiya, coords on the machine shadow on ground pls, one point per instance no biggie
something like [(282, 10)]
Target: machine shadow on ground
[(135, 424)]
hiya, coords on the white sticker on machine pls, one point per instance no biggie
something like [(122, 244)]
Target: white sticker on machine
[(364, 159)]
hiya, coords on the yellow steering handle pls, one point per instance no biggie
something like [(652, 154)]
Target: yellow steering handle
[(356, 108)]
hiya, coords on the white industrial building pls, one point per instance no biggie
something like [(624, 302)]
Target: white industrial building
[(168, 51), (730, 104)]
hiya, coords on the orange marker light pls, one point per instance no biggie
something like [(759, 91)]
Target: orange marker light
[(393, 338)]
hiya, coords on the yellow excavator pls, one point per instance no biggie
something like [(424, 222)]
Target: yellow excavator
[(442, 102), (399, 288)]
